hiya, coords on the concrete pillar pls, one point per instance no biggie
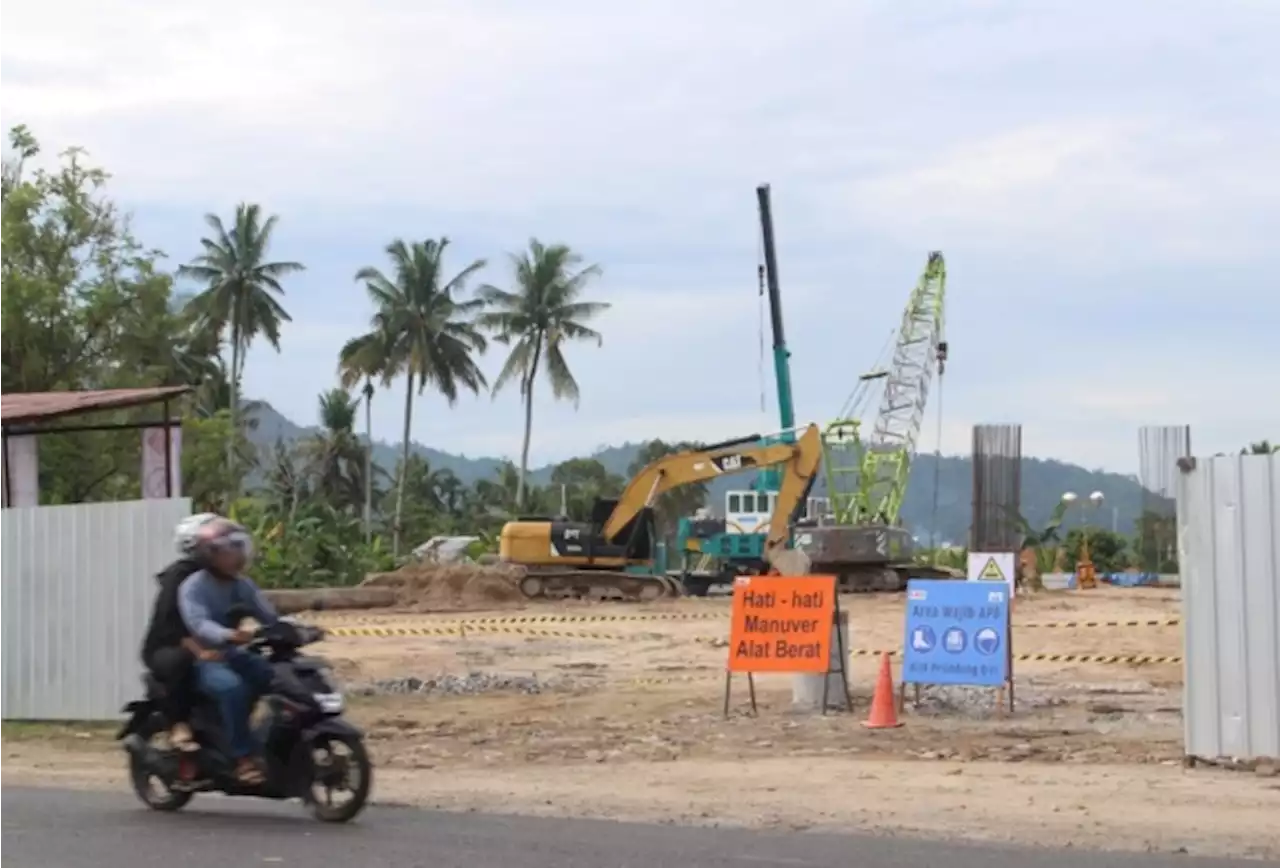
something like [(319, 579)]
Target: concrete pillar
[(806, 690)]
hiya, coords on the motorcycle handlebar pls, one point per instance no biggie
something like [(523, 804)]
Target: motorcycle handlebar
[(307, 634)]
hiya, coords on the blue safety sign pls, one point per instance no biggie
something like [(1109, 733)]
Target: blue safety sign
[(956, 633)]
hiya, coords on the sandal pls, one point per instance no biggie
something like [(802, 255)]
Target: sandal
[(248, 773), (181, 737)]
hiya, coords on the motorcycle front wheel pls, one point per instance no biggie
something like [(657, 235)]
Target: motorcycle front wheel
[(340, 764)]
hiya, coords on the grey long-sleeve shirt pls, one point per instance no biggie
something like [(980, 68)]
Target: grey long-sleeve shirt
[(206, 602)]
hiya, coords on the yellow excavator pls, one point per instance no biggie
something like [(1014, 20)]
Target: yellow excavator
[(614, 552)]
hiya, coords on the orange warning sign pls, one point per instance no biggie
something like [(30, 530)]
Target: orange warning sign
[(781, 623)]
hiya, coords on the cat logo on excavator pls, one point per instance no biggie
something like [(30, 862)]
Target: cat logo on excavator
[(731, 463)]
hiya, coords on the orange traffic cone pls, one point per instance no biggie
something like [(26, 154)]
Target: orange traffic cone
[(884, 712)]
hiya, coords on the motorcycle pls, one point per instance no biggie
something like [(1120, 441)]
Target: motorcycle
[(300, 735)]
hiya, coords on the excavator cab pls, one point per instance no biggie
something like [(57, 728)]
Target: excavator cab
[(636, 538)]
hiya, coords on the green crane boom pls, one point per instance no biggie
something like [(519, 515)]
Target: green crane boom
[(868, 481)]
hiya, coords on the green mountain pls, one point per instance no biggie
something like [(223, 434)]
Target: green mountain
[(1043, 480)]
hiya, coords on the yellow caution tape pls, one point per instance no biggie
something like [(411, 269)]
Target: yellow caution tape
[(452, 618), (585, 619), (1138, 659), (1045, 625), (1049, 658), (678, 679), (462, 630)]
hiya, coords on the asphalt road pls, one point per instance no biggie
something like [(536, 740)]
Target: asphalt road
[(46, 828)]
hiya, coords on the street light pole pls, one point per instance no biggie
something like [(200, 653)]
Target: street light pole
[(1086, 576)]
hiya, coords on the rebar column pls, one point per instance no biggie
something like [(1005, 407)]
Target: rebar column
[(997, 488), (1159, 448)]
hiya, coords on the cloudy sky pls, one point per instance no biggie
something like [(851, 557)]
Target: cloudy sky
[(1101, 178)]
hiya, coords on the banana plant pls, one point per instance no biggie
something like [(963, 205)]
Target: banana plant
[(1045, 542), (1039, 539)]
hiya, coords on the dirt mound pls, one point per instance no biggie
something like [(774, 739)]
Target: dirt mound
[(426, 587)]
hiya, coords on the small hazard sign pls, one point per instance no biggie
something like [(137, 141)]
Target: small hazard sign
[(992, 567), (992, 572)]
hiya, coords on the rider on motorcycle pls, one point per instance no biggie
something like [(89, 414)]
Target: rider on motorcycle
[(232, 677)]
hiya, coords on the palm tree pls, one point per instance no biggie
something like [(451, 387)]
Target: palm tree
[(420, 328), (240, 292), (495, 498), (335, 458), (536, 319), (286, 485), (366, 358), (368, 391)]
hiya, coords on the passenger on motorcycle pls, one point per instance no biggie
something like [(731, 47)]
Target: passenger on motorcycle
[(225, 672), (168, 650)]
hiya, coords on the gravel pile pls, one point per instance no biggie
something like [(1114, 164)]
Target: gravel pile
[(456, 685), (953, 700)]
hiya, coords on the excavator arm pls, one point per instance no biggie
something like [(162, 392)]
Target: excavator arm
[(799, 460)]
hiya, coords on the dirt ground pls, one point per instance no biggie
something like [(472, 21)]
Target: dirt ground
[(620, 715)]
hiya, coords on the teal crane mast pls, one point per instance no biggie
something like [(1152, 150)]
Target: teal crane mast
[(770, 479)]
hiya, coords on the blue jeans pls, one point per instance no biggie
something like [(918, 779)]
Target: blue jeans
[(235, 682)]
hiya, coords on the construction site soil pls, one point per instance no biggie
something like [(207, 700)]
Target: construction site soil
[(451, 587), (475, 699)]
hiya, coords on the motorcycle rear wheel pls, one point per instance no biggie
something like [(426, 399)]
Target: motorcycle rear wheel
[(142, 777), (362, 765)]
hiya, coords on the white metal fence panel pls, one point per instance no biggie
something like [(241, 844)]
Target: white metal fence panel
[(79, 584), (1229, 553)]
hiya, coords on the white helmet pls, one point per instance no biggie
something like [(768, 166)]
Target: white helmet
[(187, 533)]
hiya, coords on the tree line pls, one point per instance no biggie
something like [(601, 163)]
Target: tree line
[(87, 305)]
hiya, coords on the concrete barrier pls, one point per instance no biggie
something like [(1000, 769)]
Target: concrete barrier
[(318, 599), (1058, 581)]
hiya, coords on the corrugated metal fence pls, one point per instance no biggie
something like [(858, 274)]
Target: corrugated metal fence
[(79, 583), (1229, 554)]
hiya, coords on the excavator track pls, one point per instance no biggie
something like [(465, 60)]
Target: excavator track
[(552, 583), (881, 578)]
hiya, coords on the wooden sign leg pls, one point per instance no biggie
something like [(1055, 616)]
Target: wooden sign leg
[(751, 691), (1009, 645), (844, 660)]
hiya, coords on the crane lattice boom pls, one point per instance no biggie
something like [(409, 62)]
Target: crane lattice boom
[(868, 482)]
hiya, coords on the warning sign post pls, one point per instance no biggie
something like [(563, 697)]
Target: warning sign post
[(998, 567), (993, 567), (785, 624)]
